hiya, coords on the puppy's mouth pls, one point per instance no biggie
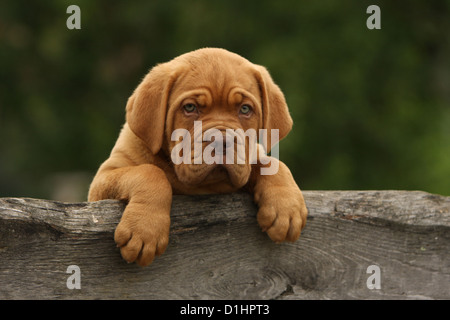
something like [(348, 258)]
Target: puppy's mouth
[(220, 158), (203, 174)]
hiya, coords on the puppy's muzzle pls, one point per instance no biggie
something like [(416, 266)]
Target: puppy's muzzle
[(223, 144)]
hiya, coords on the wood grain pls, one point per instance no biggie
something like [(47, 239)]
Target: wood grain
[(217, 250)]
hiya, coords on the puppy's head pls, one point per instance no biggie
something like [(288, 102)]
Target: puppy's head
[(206, 96)]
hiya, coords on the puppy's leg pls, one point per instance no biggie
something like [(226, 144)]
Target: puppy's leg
[(282, 210), (143, 231)]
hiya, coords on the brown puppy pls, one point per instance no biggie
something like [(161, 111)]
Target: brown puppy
[(219, 90)]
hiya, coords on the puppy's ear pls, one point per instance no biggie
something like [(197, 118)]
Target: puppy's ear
[(146, 108), (275, 112)]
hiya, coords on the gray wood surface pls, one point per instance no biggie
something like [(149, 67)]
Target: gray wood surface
[(217, 250)]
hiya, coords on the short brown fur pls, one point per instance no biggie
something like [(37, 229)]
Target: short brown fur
[(140, 171)]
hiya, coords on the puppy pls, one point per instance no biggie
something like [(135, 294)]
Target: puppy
[(204, 91)]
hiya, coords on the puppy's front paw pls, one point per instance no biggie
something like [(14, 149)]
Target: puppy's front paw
[(142, 234), (282, 213)]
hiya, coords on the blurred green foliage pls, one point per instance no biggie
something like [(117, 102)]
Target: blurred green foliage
[(371, 108)]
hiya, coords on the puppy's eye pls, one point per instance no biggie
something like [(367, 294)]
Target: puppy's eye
[(245, 109), (190, 107)]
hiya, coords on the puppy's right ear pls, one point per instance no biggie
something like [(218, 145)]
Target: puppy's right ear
[(146, 108), (274, 107)]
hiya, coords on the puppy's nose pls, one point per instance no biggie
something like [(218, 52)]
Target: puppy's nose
[(224, 141), (228, 142)]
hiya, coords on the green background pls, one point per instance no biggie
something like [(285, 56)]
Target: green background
[(371, 108)]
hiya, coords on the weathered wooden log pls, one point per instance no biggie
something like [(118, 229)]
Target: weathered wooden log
[(217, 250)]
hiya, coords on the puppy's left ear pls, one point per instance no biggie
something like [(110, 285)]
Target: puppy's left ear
[(275, 112), (147, 106)]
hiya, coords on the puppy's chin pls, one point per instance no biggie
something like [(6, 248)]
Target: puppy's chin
[(206, 174)]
